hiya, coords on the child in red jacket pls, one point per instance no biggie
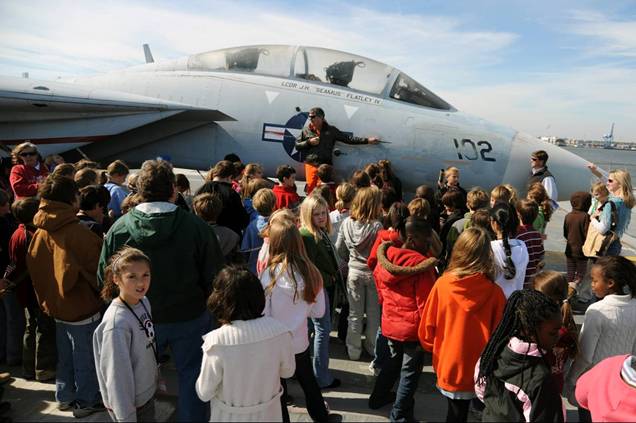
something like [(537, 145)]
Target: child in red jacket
[(285, 191), (404, 277)]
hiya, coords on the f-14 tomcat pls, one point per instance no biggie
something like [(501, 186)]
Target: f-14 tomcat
[(253, 101)]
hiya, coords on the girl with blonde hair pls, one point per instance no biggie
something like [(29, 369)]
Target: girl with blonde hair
[(345, 192), (252, 171), (355, 239), (280, 215), (294, 292), (619, 185), (461, 313), (315, 228), (500, 193), (538, 194)]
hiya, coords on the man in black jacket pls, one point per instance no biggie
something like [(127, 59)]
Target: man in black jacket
[(317, 141)]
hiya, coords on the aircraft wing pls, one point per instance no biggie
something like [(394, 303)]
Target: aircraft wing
[(48, 112)]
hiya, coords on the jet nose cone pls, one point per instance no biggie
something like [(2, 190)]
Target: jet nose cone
[(570, 171)]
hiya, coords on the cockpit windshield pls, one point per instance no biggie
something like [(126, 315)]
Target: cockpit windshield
[(409, 90), (319, 65), (342, 69), (263, 60)]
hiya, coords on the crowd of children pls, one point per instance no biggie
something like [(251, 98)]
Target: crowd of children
[(104, 271)]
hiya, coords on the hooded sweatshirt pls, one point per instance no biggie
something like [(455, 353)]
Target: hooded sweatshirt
[(404, 278), (62, 261), (184, 253), (354, 242), (520, 388), (124, 359), (576, 224), (460, 315), (286, 197), (284, 302)]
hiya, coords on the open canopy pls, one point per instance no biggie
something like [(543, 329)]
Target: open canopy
[(320, 65)]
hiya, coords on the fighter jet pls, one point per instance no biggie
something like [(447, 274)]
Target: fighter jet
[(253, 101)]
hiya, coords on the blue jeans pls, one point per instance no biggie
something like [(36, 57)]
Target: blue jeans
[(614, 249), (75, 376), (322, 328), (184, 339), (406, 362), (381, 351), (15, 324)]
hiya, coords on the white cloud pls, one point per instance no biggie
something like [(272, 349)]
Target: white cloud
[(611, 36), (580, 103), (97, 37)]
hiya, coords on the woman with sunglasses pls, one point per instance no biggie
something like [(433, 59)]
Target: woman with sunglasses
[(28, 170), (316, 143), (619, 185)]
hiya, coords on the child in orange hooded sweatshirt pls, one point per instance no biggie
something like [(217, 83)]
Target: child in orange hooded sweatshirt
[(462, 311)]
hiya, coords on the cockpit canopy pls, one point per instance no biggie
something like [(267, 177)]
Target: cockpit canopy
[(320, 65)]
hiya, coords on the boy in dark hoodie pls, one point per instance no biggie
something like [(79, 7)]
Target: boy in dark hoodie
[(575, 230), (404, 278)]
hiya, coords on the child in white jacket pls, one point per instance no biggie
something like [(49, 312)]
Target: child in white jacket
[(293, 290), (245, 359)]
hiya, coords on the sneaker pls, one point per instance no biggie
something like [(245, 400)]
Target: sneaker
[(65, 405), (79, 412)]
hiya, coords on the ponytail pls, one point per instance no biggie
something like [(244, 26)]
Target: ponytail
[(501, 213), (509, 267), (110, 289)]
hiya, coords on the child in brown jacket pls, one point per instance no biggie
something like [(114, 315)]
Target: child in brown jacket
[(574, 230)]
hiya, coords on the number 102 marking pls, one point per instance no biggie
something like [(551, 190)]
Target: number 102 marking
[(467, 149)]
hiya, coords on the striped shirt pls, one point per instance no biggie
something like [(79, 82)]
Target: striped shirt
[(534, 243)]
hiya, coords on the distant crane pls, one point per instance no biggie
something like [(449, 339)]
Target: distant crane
[(608, 139)]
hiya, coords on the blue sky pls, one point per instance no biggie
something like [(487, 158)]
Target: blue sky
[(564, 68)]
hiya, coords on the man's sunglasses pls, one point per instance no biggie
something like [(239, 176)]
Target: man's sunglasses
[(29, 153), (312, 116)]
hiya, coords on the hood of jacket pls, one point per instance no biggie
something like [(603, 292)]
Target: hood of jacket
[(472, 291), (401, 263), (152, 229), (240, 332), (360, 236), (519, 356), (53, 215), (581, 201)]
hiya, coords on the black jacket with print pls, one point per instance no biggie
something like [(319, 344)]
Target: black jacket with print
[(522, 389)]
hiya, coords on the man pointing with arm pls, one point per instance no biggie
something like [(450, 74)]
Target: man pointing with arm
[(317, 142)]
